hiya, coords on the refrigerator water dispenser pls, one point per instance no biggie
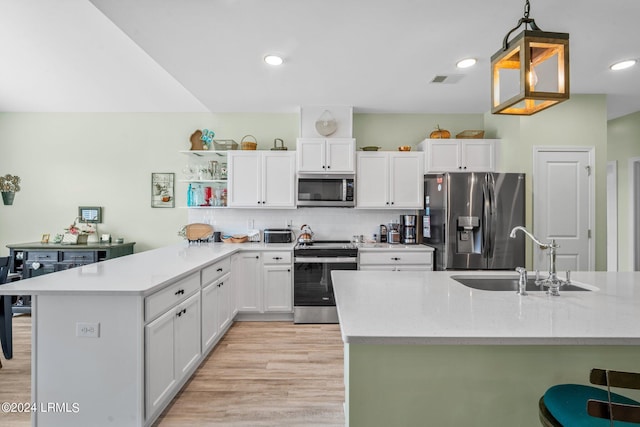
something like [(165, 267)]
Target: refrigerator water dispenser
[(468, 241)]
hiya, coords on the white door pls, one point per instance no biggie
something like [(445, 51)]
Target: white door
[(340, 155), (278, 179), (224, 302), (248, 281), (209, 314), (406, 188), (311, 155), (564, 206), (159, 361), (478, 156), (187, 335), (244, 180), (373, 180), (443, 156), (277, 288)]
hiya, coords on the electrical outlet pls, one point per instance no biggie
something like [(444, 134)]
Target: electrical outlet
[(88, 330)]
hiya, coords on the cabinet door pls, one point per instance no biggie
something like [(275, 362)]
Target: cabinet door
[(209, 315), (244, 180), (278, 179), (187, 335), (443, 156), (311, 155), (159, 361), (340, 155), (224, 302), (277, 288), (478, 156), (248, 281), (373, 180), (406, 186)]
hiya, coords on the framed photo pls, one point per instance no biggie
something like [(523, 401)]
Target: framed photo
[(45, 238), (90, 214), (162, 190)]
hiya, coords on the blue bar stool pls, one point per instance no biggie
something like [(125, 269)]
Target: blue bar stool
[(569, 405)]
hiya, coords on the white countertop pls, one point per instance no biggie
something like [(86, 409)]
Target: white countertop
[(138, 274), (371, 247), (378, 307)]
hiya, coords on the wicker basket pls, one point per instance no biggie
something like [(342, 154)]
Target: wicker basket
[(249, 145), (224, 144)]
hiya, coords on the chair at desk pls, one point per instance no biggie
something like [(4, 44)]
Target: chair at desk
[(6, 314), (581, 405)]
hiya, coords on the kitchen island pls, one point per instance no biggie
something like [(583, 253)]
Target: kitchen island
[(424, 349), (114, 341)]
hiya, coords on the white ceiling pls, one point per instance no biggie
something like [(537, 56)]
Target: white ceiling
[(374, 55)]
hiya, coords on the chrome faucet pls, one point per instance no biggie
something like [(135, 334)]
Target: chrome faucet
[(552, 282)]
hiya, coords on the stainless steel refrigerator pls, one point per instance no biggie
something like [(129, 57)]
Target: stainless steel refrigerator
[(467, 218)]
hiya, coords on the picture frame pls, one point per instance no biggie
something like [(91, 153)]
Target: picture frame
[(162, 190), (90, 214), (45, 238)]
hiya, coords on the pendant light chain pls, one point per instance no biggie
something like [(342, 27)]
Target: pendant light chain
[(527, 6)]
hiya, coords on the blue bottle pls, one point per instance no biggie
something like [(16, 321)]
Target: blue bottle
[(189, 196)]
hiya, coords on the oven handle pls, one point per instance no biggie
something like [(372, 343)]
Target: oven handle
[(325, 260)]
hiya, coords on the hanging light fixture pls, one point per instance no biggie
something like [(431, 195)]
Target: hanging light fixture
[(530, 72)]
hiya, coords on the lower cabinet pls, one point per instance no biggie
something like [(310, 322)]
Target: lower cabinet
[(396, 260), (172, 349), (263, 281)]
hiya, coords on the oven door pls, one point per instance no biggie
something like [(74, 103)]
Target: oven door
[(312, 285)]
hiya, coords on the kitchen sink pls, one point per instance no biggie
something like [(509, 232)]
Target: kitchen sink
[(506, 283)]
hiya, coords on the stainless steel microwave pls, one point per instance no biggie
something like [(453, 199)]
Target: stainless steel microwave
[(326, 190)]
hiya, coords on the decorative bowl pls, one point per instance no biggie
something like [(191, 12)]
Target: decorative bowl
[(404, 148)]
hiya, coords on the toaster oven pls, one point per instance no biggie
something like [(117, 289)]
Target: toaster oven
[(278, 235)]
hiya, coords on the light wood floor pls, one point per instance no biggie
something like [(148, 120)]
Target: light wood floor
[(259, 374)]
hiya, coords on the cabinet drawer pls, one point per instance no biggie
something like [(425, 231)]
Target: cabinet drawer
[(161, 301), (42, 256), (84, 257), (396, 257), (215, 271), (283, 257)]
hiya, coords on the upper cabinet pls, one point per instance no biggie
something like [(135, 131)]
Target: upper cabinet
[(458, 155), (326, 155), (393, 180), (261, 179)]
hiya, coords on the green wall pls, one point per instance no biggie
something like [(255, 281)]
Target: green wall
[(624, 144), (580, 121)]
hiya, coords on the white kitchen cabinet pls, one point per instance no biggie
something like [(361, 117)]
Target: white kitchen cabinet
[(326, 155), (172, 350), (458, 155), (247, 271), (277, 282), (392, 180), (225, 290), (262, 179), (210, 297), (264, 281), (396, 260)]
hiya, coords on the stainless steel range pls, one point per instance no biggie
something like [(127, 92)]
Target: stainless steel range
[(313, 299)]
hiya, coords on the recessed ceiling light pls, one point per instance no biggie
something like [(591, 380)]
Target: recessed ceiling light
[(623, 64), (273, 60), (466, 63)]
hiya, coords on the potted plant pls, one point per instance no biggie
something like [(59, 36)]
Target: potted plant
[(9, 185)]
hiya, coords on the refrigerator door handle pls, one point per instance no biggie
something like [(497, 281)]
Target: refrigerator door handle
[(486, 215), (491, 184)]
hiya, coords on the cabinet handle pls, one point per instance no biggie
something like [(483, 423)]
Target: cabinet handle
[(324, 167), (277, 257), (459, 167), (179, 292), (220, 269), (257, 257), (391, 202), (259, 202), (328, 167), (395, 258), (289, 270), (387, 203), (264, 202), (464, 167)]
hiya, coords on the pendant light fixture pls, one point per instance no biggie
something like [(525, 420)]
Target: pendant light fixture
[(530, 72)]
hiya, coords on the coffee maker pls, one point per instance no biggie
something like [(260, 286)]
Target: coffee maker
[(408, 229)]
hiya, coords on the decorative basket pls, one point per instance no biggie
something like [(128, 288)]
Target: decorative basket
[(235, 239), (470, 134), (249, 145), (224, 144)]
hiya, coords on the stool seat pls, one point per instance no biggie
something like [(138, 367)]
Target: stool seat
[(568, 405)]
